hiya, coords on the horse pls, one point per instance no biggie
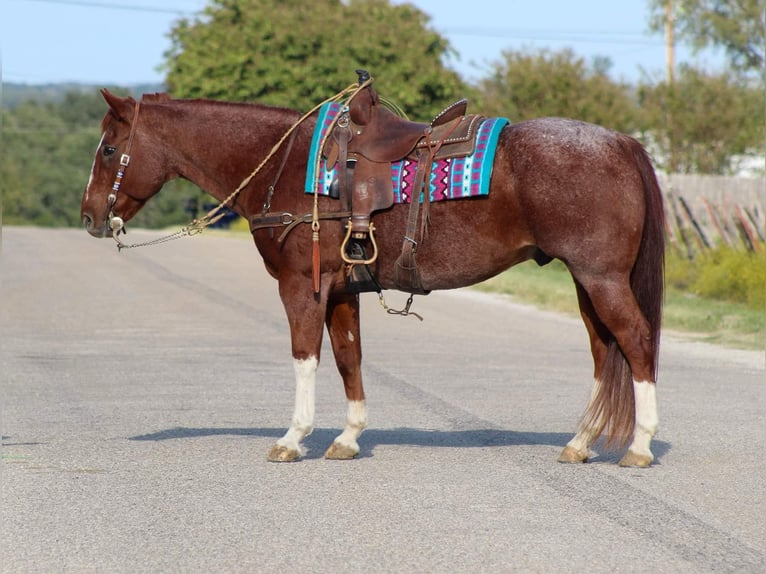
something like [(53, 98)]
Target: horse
[(560, 188)]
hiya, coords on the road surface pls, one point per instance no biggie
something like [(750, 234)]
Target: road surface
[(142, 390)]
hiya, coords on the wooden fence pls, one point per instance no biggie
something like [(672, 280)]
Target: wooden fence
[(704, 211)]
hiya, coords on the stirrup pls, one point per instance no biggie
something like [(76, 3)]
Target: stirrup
[(347, 259)]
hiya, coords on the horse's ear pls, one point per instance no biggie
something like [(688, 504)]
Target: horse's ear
[(121, 107)]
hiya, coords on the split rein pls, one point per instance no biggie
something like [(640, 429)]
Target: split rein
[(196, 226)]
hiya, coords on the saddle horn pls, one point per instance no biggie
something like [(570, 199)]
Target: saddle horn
[(363, 75), (361, 105)]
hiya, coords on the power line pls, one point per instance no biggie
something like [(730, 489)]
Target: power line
[(127, 7)]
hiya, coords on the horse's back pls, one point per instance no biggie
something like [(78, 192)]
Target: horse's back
[(562, 149)]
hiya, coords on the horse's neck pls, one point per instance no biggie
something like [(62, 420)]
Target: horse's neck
[(216, 145)]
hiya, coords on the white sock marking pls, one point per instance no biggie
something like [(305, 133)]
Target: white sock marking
[(647, 419), (356, 422), (303, 414)]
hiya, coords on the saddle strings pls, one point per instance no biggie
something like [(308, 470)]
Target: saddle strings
[(196, 226)]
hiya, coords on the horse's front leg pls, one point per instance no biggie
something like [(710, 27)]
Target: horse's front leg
[(343, 325), (306, 314)]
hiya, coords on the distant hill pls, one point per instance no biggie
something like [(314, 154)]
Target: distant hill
[(13, 94)]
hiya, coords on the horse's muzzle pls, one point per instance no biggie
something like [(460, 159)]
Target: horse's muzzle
[(100, 232)]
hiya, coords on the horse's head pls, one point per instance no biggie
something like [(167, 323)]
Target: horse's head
[(128, 169)]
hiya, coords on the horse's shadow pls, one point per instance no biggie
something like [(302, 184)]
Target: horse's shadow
[(320, 439)]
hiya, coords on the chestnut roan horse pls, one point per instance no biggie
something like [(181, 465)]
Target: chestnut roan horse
[(560, 189)]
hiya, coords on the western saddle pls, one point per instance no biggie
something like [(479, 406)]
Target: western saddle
[(366, 139)]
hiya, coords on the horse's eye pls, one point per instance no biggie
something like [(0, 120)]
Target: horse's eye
[(109, 150)]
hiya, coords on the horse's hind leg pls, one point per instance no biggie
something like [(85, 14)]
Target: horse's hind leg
[(343, 325), (578, 448), (623, 399)]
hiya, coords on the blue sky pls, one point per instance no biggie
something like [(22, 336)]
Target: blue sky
[(121, 42)]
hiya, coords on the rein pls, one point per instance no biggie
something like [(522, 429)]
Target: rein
[(196, 226)]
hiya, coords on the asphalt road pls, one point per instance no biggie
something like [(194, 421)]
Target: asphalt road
[(142, 390)]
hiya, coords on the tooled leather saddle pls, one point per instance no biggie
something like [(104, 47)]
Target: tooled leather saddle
[(365, 140)]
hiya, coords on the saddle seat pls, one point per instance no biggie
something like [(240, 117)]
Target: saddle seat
[(381, 136), (366, 139), (389, 139)]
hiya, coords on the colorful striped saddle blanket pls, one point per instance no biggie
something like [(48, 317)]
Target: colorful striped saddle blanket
[(452, 178)]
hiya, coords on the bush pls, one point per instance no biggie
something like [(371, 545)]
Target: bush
[(723, 274)]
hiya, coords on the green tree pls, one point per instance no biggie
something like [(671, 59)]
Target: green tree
[(294, 53), (40, 156), (703, 121), (530, 84), (739, 27)]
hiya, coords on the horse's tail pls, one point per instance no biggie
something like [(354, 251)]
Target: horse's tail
[(613, 409), (648, 277)]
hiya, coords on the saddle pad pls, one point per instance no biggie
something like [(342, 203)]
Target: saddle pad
[(453, 178)]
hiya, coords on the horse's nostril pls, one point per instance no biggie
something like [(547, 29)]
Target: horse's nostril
[(87, 221)]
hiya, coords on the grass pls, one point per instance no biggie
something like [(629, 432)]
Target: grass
[(548, 287), (704, 318)]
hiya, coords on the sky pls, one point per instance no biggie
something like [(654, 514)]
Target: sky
[(122, 42)]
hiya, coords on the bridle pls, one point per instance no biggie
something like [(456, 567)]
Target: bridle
[(116, 224)]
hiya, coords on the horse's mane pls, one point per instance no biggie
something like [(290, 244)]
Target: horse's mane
[(156, 97), (165, 98)]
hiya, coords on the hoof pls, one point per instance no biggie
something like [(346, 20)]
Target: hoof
[(635, 460), (570, 455), (279, 453), (338, 451)]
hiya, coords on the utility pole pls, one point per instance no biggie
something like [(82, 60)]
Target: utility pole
[(670, 64), (670, 55)]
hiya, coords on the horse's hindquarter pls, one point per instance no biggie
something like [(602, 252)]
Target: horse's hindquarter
[(579, 188)]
